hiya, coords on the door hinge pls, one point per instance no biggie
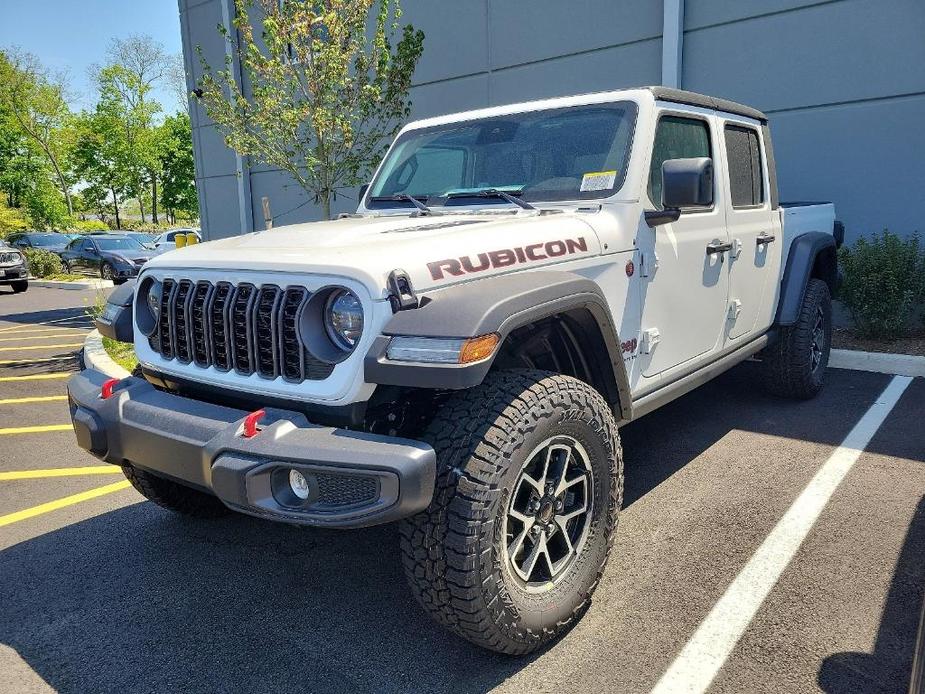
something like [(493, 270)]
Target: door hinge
[(650, 338), (648, 263)]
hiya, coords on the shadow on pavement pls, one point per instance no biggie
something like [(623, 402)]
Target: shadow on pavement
[(72, 317), (888, 667)]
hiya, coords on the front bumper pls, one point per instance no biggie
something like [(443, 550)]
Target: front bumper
[(17, 273), (356, 479)]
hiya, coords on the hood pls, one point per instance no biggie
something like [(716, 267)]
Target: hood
[(433, 250), (138, 254)]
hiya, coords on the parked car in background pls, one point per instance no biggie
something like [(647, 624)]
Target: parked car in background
[(168, 240), (115, 257), (14, 270), (46, 240)]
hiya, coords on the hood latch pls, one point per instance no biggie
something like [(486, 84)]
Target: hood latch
[(401, 291)]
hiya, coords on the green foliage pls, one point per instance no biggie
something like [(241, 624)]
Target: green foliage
[(884, 280), (178, 187), (42, 263), (327, 91), (11, 219), (123, 353), (89, 225)]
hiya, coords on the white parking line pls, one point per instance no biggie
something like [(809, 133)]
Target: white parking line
[(707, 650)]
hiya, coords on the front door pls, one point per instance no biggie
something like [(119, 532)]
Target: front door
[(684, 282)]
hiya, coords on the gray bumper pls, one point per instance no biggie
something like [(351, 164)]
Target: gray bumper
[(356, 479)]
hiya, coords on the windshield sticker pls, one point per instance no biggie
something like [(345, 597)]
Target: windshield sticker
[(598, 180)]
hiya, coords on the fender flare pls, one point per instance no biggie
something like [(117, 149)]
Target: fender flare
[(499, 304), (805, 249), (116, 320)]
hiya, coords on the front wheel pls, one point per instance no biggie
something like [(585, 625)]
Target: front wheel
[(529, 486), (106, 271), (20, 286), (175, 497), (794, 366)]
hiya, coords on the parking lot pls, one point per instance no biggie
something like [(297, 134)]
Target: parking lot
[(103, 592)]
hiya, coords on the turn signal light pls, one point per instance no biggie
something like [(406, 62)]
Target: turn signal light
[(478, 348)]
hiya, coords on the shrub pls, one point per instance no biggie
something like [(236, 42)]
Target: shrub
[(90, 225), (43, 263), (884, 280)]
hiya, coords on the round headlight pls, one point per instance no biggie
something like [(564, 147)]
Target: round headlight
[(148, 306), (343, 319), (155, 289)]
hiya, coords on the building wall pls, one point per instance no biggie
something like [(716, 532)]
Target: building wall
[(842, 80)]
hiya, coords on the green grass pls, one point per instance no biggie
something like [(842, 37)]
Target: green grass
[(64, 277), (122, 353)]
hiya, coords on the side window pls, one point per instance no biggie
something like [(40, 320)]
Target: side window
[(676, 138), (743, 152)]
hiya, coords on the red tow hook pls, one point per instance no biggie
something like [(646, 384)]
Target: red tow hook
[(250, 423), (108, 386)]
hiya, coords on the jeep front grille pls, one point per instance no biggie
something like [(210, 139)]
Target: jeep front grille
[(242, 327)]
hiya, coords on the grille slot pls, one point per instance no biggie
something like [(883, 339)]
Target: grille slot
[(243, 327)]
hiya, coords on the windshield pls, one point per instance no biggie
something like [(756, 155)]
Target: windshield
[(121, 244), (47, 240), (571, 153)]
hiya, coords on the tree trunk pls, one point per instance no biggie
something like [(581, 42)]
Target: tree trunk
[(326, 204), (154, 197), (115, 205), (141, 206)]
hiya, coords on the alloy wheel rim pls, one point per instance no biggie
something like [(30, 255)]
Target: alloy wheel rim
[(107, 272), (549, 513), (817, 341)]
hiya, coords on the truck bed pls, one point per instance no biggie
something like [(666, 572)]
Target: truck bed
[(800, 217)]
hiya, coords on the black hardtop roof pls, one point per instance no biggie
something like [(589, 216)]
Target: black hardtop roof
[(681, 96)]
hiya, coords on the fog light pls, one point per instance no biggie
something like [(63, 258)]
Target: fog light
[(298, 484)]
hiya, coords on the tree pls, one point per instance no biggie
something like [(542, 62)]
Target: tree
[(178, 187), (326, 94), (37, 102)]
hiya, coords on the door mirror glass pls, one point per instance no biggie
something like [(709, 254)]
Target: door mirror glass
[(687, 183)]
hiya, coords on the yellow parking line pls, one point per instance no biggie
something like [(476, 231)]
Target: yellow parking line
[(16, 332), (61, 472), (37, 337), (42, 398), (37, 360), (17, 349), (37, 377), (61, 503), (36, 429)]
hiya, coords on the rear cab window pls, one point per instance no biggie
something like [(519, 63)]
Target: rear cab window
[(744, 166)]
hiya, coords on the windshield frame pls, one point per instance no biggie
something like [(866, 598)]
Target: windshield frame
[(373, 203)]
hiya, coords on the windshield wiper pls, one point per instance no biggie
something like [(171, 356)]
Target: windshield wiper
[(491, 193), (404, 197)]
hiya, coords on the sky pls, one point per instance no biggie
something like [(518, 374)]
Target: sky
[(71, 35)]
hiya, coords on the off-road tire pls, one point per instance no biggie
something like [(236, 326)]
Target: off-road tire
[(453, 553), (173, 496), (19, 287), (787, 364)]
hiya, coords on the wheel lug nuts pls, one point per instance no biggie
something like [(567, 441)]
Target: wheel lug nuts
[(559, 505)]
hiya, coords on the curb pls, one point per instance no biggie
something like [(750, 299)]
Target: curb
[(95, 357), (58, 284), (878, 362)]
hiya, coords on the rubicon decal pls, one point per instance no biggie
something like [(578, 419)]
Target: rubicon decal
[(505, 257)]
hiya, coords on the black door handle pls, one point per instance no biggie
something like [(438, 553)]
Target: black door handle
[(718, 247), (764, 238)]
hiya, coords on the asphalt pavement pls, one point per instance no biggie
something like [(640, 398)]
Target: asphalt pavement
[(101, 591)]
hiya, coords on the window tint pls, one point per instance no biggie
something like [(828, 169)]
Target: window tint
[(744, 156), (676, 138)]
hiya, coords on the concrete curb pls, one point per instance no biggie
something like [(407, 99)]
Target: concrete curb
[(57, 284), (95, 357), (878, 362)]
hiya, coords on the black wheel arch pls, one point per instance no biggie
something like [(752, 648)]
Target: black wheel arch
[(812, 255), (511, 306)]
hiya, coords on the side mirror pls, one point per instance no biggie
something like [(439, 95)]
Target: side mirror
[(685, 183)]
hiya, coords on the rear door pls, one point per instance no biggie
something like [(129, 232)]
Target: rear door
[(683, 285), (754, 228)]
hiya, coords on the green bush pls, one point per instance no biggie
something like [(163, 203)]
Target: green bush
[(884, 281), (43, 263), (90, 225)]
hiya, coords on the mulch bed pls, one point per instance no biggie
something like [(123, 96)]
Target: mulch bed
[(843, 338)]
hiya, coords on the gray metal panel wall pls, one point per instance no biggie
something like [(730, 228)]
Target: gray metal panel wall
[(840, 79)]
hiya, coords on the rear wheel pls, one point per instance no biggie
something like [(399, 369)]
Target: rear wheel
[(66, 266), (529, 485), (20, 286), (794, 366), (173, 496)]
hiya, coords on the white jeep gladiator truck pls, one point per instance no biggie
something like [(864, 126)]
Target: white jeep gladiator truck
[(459, 354)]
